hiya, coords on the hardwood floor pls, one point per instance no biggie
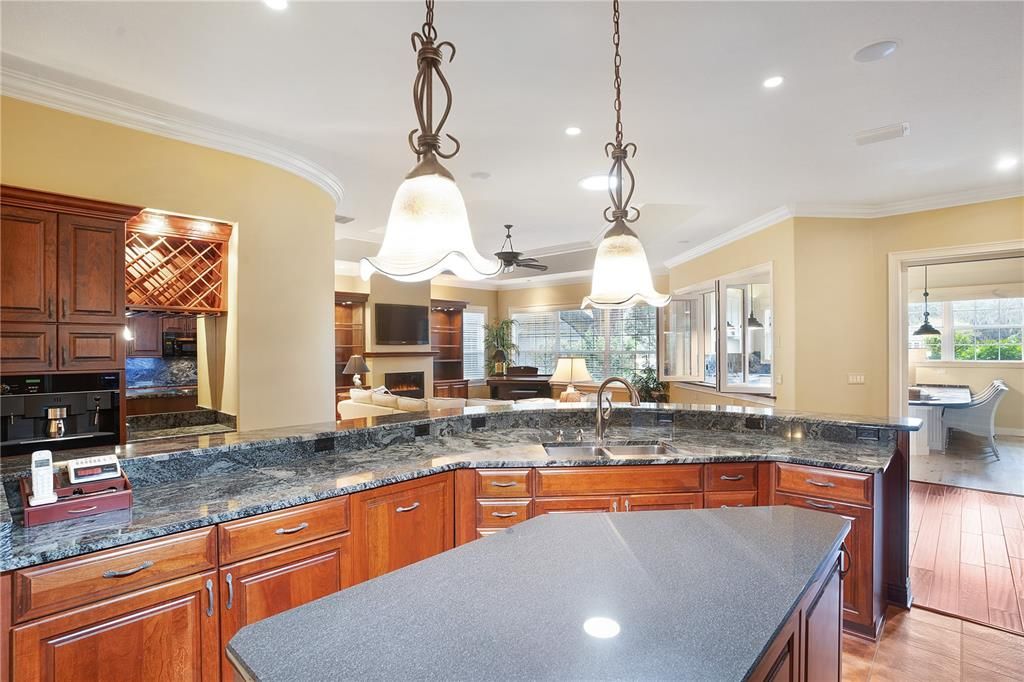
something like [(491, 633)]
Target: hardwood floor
[(967, 554), (923, 645)]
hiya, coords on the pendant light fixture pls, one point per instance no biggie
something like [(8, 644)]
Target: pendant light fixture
[(752, 321), (926, 329), (622, 276), (428, 229)]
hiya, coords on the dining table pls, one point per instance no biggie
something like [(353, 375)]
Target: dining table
[(934, 398)]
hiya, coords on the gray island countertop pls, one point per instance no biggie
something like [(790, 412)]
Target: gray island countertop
[(696, 595)]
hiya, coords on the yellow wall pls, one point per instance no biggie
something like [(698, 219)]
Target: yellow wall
[(831, 291), (278, 346), (558, 295), (773, 245), (476, 297), (351, 284)]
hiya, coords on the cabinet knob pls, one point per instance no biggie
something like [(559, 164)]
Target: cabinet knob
[(414, 505)]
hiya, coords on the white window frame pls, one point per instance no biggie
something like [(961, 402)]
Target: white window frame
[(948, 353), (480, 309), (718, 285)]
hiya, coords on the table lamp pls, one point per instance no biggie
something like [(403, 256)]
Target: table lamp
[(500, 359), (356, 366), (569, 370)]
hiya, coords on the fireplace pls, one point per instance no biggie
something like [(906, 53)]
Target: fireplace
[(408, 384)]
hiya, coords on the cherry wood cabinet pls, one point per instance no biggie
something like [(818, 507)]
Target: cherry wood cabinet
[(400, 524), (165, 632), (88, 347), (276, 530), (261, 587), (183, 324), (28, 347), (655, 501), (90, 267), (28, 265), (562, 505), (147, 341)]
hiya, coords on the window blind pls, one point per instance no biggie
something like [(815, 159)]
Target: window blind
[(473, 360)]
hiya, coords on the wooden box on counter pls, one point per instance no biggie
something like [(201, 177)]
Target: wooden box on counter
[(90, 501)]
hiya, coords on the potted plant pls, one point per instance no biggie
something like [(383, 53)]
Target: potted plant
[(498, 336), (647, 385)]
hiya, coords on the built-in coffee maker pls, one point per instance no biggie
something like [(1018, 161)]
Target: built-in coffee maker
[(59, 411)]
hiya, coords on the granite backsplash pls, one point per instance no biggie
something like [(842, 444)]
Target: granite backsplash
[(144, 372)]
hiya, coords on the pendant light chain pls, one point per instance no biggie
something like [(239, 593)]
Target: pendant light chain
[(620, 212), (428, 59)]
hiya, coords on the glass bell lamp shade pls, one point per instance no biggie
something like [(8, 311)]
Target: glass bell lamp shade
[(428, 232), (622, 277)]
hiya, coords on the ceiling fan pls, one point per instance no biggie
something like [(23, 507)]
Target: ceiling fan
[(511, 259)]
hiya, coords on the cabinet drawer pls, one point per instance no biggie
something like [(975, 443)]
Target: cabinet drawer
[(503, 483), (501, 513), (730, 476), (268, 532), (830, 484), (49, 588), (618, 480), (738, 498)]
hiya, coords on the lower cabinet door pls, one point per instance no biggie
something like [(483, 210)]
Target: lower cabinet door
[(165, 632), (858, 587), (823, 631), (401, 524), (654, 501), (266, 585), (564, 505)]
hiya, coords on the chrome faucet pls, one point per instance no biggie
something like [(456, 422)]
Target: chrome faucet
[(604, 414)]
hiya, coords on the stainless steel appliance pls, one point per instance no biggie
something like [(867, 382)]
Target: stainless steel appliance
[(59, 411), (179, 344)]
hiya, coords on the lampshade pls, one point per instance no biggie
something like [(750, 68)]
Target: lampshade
[(570, 370), (499, 356), (753, 322), (428, 232), (622, 277), (927, 329), (355, 365)]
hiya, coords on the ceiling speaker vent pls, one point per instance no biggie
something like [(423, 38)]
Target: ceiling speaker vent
[(882, 134)]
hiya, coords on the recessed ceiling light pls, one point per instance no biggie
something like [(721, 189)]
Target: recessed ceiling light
[(773, 82), (875, 51), (572, 131), (276, 4), (1007, 163), (598, 183), (602, 628)]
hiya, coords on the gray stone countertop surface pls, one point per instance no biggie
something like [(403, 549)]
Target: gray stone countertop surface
[(695, 595)]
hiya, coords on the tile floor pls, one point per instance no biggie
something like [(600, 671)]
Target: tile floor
[(927, 646), (969, 463)]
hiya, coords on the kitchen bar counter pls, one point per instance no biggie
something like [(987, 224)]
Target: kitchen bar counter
[(180, 485), (161, 392), (694, 595)]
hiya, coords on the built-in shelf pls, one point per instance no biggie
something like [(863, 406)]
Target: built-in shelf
[(400, 354)]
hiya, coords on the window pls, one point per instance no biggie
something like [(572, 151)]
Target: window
[(977, 330), (720, 333), (613, 342), (473, 361)]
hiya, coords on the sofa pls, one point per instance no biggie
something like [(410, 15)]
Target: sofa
[(379, 401)]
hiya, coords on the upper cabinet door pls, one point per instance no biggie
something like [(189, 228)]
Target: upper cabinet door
[(91, 270), (28, 265), (147, 342)]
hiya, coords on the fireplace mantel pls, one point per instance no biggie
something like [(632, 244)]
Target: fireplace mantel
[(400, 354)]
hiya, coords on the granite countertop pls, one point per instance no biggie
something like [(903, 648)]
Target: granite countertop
[(697, 595), (160, 392)]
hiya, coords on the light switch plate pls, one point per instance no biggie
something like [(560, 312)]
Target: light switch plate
[(855, 378)]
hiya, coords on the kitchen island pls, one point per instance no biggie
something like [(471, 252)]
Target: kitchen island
[(708, 595)]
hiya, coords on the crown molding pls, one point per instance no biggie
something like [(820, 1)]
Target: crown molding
[(926, 203), (20, 84), (453, 281), (748, 228)]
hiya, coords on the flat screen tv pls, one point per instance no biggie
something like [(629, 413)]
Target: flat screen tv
[(402, 325)]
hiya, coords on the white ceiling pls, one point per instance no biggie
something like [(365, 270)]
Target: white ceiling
[(332, 82)]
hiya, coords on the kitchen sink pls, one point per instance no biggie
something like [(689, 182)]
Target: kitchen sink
[(559, 450), (594, 450), (653, 450)]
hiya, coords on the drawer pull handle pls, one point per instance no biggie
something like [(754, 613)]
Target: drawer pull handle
[(49, 356), (64, 307), (289, 531), (49, 307), (504, 515), (819, 505), (728, 506), (844, 554), (63, 355), (821, 484), (82, 510), (209, 598), (737, 477), (615, 506), (414, 505), (503, 484), (131, 571), (231, 591)]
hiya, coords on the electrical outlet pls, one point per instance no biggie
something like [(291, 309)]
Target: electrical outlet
[(855, 378), (778, 379)]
